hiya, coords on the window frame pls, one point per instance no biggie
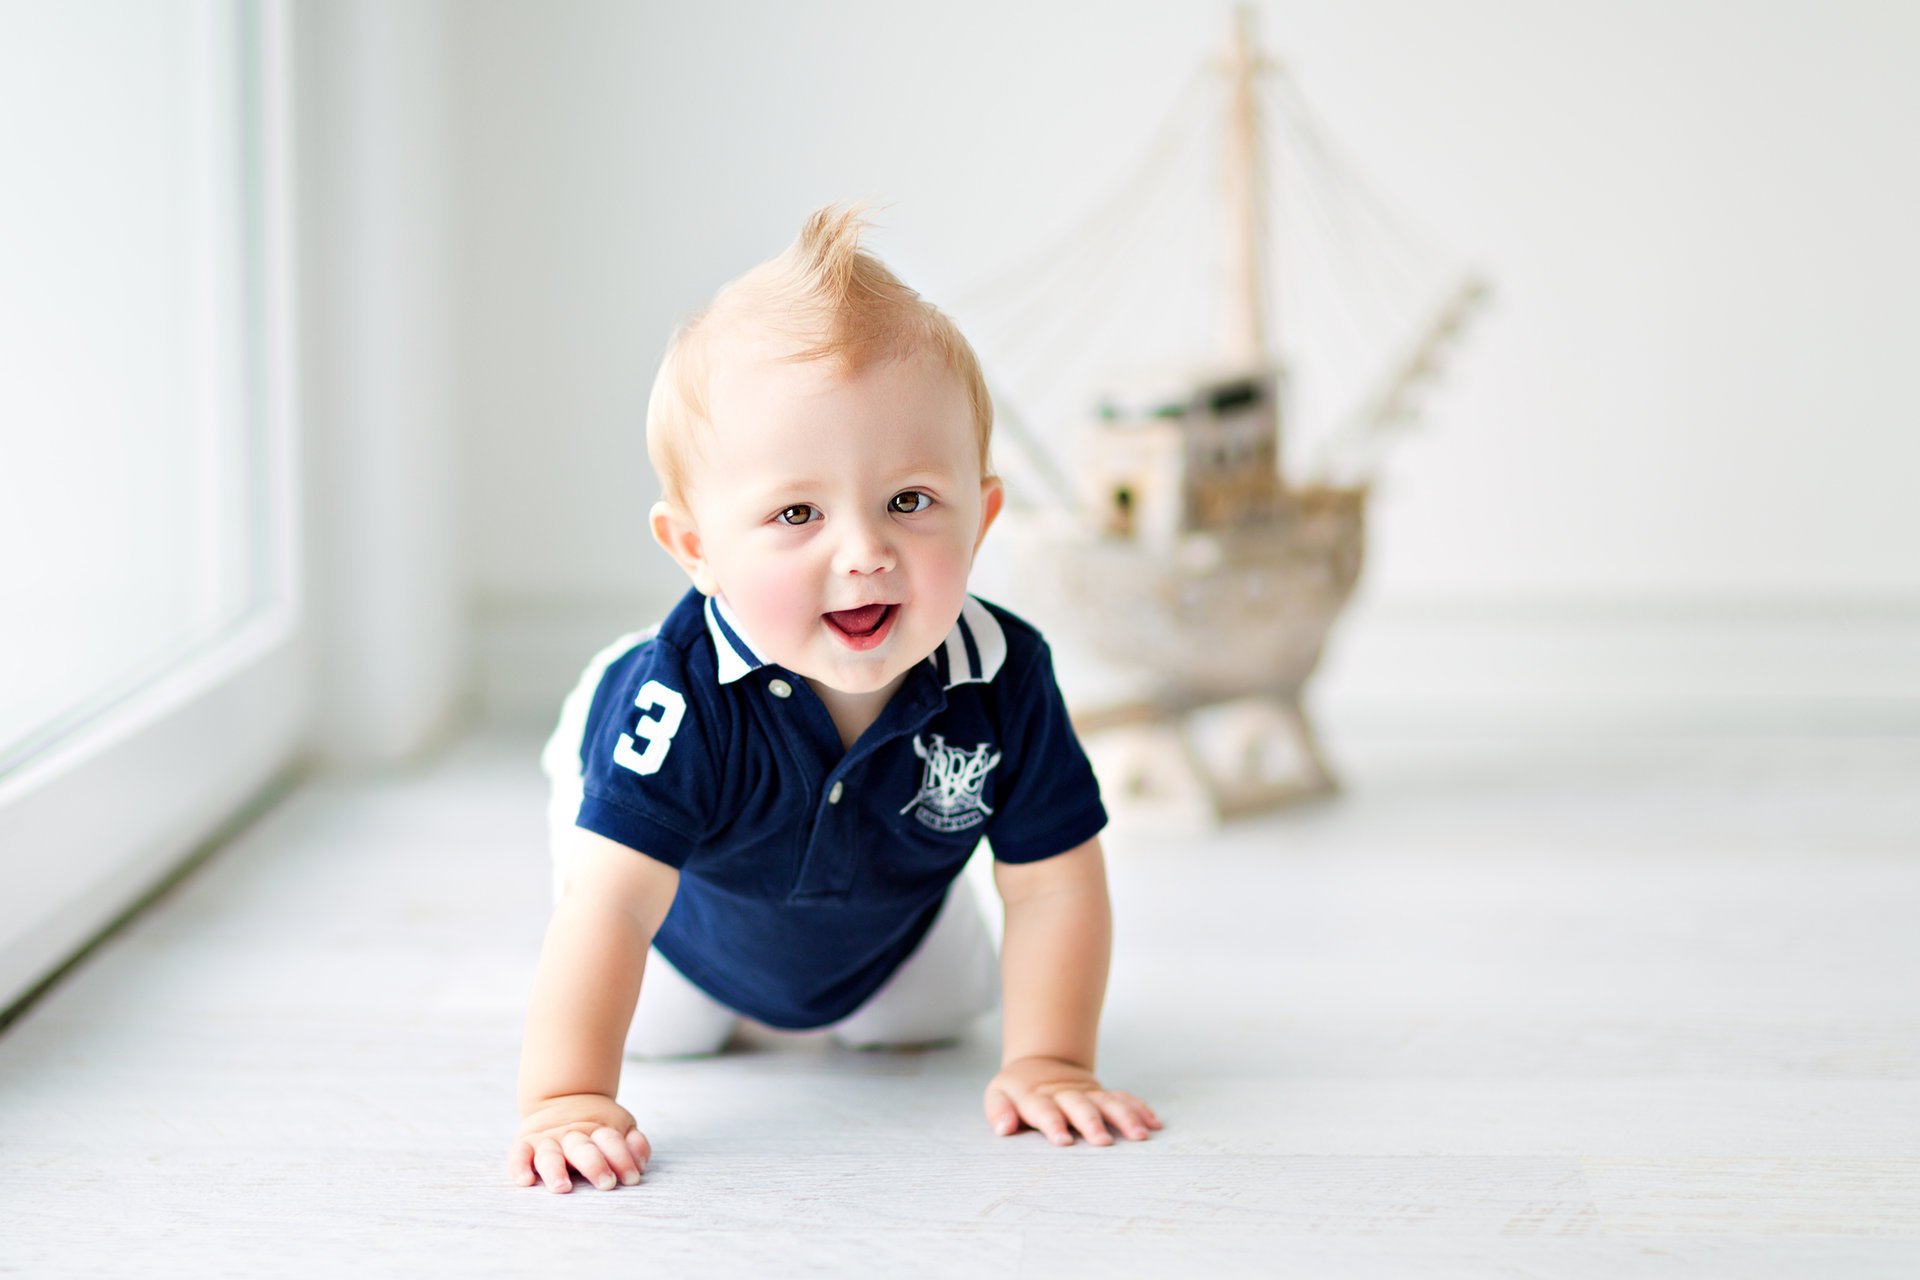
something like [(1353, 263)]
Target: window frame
[(105, 814)]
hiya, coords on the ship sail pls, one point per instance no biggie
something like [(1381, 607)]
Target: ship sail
[(1245, 235), (1180, 537)]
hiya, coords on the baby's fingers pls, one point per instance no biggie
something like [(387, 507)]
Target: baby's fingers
[(552, 1166), (625, 1154), (1042, 1114), (1128, 1114), (1001, 1113), (584, 1153), (1005, 1112), (520, 1162), (1086, 1117), (642, 1149), (1145, 1111)]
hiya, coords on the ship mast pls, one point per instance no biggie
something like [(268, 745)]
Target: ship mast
[(1246, 329)]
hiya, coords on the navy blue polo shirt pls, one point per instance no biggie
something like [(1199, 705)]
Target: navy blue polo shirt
[(809, 872)]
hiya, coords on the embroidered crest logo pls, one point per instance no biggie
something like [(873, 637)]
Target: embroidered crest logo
[(950, 789)]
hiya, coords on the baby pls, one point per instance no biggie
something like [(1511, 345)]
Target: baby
[(763, 803)]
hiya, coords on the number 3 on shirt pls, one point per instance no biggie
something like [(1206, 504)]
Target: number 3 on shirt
[(658, 732)]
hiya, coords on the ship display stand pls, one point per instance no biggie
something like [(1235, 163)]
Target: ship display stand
[(1172, 534)]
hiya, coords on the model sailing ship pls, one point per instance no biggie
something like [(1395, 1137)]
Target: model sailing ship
[(1190, 554)]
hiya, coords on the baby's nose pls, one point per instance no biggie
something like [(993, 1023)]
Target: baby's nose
[(865, 551)]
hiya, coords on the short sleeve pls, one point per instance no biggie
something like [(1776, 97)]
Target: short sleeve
[(649, 778), (1051, 803)]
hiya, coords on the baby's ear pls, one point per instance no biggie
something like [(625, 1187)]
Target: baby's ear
[(674, 529), (992, 495)]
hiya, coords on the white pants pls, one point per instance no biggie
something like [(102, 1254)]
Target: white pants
[(948, 981)]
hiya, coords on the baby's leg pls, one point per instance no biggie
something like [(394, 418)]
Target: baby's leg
[(951, 978), (676, 1019)]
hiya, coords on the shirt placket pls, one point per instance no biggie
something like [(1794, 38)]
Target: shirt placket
[(830, 861)]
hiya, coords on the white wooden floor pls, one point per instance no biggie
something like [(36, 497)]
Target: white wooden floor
[(1509, 1008)]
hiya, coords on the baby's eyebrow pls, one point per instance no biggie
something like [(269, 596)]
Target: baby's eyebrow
[(783, 489), (928, 468), (786, 485)]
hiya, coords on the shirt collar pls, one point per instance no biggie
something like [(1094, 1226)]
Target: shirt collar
[(971, 654), (731, 648), (974, 649)]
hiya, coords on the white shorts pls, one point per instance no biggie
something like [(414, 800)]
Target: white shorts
[(939, 990)]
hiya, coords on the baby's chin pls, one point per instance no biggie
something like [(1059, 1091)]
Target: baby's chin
[(828, 659), (858, 677)]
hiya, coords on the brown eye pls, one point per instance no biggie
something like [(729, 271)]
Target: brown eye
[(910, 502), (799, 513)]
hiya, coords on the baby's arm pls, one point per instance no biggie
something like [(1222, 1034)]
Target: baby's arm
[(584, 993), (1053, 962)]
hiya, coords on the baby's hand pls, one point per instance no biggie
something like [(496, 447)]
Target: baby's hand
[(1047, 1093), (593, 1133)]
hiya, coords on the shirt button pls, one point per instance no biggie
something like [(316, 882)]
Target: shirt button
[(833, 796), (779, 688)]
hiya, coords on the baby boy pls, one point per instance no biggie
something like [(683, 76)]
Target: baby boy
[(763, 803)]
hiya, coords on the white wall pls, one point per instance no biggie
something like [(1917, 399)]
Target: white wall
[(1669, 472), (383, 458)]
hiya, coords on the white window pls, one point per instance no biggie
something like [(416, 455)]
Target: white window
[(149, 673)]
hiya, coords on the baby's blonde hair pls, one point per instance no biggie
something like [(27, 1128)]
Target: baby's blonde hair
[(824, 298)]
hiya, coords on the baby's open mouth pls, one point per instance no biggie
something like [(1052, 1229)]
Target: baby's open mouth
[(863, 621)]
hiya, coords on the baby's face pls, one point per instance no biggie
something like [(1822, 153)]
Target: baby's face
[(838, 515)]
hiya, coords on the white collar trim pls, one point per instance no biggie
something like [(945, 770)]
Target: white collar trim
[(976, 626), (731, 648), (973, 652)]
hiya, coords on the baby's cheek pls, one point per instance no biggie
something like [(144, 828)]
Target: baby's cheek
[(945, 572), (773, 601)]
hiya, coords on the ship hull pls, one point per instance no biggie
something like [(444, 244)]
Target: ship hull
[(1221, 615)]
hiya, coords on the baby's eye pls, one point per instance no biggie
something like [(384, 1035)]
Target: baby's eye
[(799, 513), (908, 503)]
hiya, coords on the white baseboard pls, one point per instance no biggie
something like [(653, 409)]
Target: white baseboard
[(1578, 665), (1722, 665)]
